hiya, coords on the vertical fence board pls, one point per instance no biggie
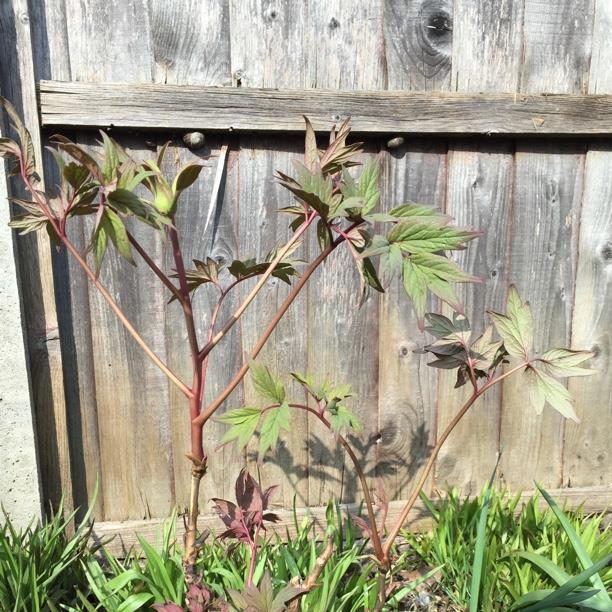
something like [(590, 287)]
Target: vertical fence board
[(407, 387), (346, 52), (52, 60), (190, 41), (587, 445), (418, 40), (486, 34), (269, 50), (191, 46), (545, 220), (133, 415)]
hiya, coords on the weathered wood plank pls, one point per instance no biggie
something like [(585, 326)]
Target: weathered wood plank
[(343, 339), (52, 60), (262, 228), (241, 109), (132, 408), (418, 44), (545, 222), (557, 46), (417, 57), (479, 195), (191, 46), (190, 41), (269, 49), (268, 44), (587, 450), (17, 83), (407, 387), (487, 34), (591, 499), (547, 192)]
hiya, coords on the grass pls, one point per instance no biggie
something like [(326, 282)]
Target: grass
[(513, 534), (490, 556)]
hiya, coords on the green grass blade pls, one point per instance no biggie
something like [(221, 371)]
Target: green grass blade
[(481, 543), (559, 575), (581, 552)]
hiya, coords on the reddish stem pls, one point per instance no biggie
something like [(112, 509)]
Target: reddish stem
[(376, 542), (260, 283), (154, 267), (105, 294), (432, 458), (214, 405)]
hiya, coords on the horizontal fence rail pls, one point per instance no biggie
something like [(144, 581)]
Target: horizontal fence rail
[(590, 500), (137, 105)]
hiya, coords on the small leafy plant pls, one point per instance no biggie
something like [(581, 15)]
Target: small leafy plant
[(342, 208)]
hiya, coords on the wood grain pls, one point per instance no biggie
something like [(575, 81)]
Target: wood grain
[(479, 196), (191, 46), (17, 83), (270, 110), (418, 44), (190, 41), (586, 452), (132, 408), (269, 49), (418, 39), (342, 338), (407, 387), (52, 60), (487, 35), (548, 187)]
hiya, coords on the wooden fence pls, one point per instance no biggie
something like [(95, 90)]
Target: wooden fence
[(480, 142)]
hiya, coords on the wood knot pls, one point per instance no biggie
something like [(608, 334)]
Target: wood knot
[(271, 14), (436, 24), (334, 24), (439, 24), (606, 252)]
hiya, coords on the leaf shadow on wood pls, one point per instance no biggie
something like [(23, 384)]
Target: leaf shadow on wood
[(395, 467)]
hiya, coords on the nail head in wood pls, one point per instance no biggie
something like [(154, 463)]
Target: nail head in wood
[(396, 142), (194, 140)]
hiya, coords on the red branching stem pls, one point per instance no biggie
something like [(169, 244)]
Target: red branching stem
[(376, 542), (106, 295), (154, 267), (214, 405), (211, 330), (197, 449), (260, 283), (434, 454)]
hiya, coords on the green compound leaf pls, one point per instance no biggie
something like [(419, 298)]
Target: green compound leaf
[(243, 423), (275, 419), (516, 326), (561, 362), (428, 272), (543, 389), (265, 384)]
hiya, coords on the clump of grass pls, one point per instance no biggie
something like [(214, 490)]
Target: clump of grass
[(510, 529), (42, 566)]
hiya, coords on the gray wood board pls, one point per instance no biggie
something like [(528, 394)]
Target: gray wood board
[(251, 109)]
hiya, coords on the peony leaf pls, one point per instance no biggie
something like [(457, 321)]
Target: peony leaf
[(543, 389), (516, 326)]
